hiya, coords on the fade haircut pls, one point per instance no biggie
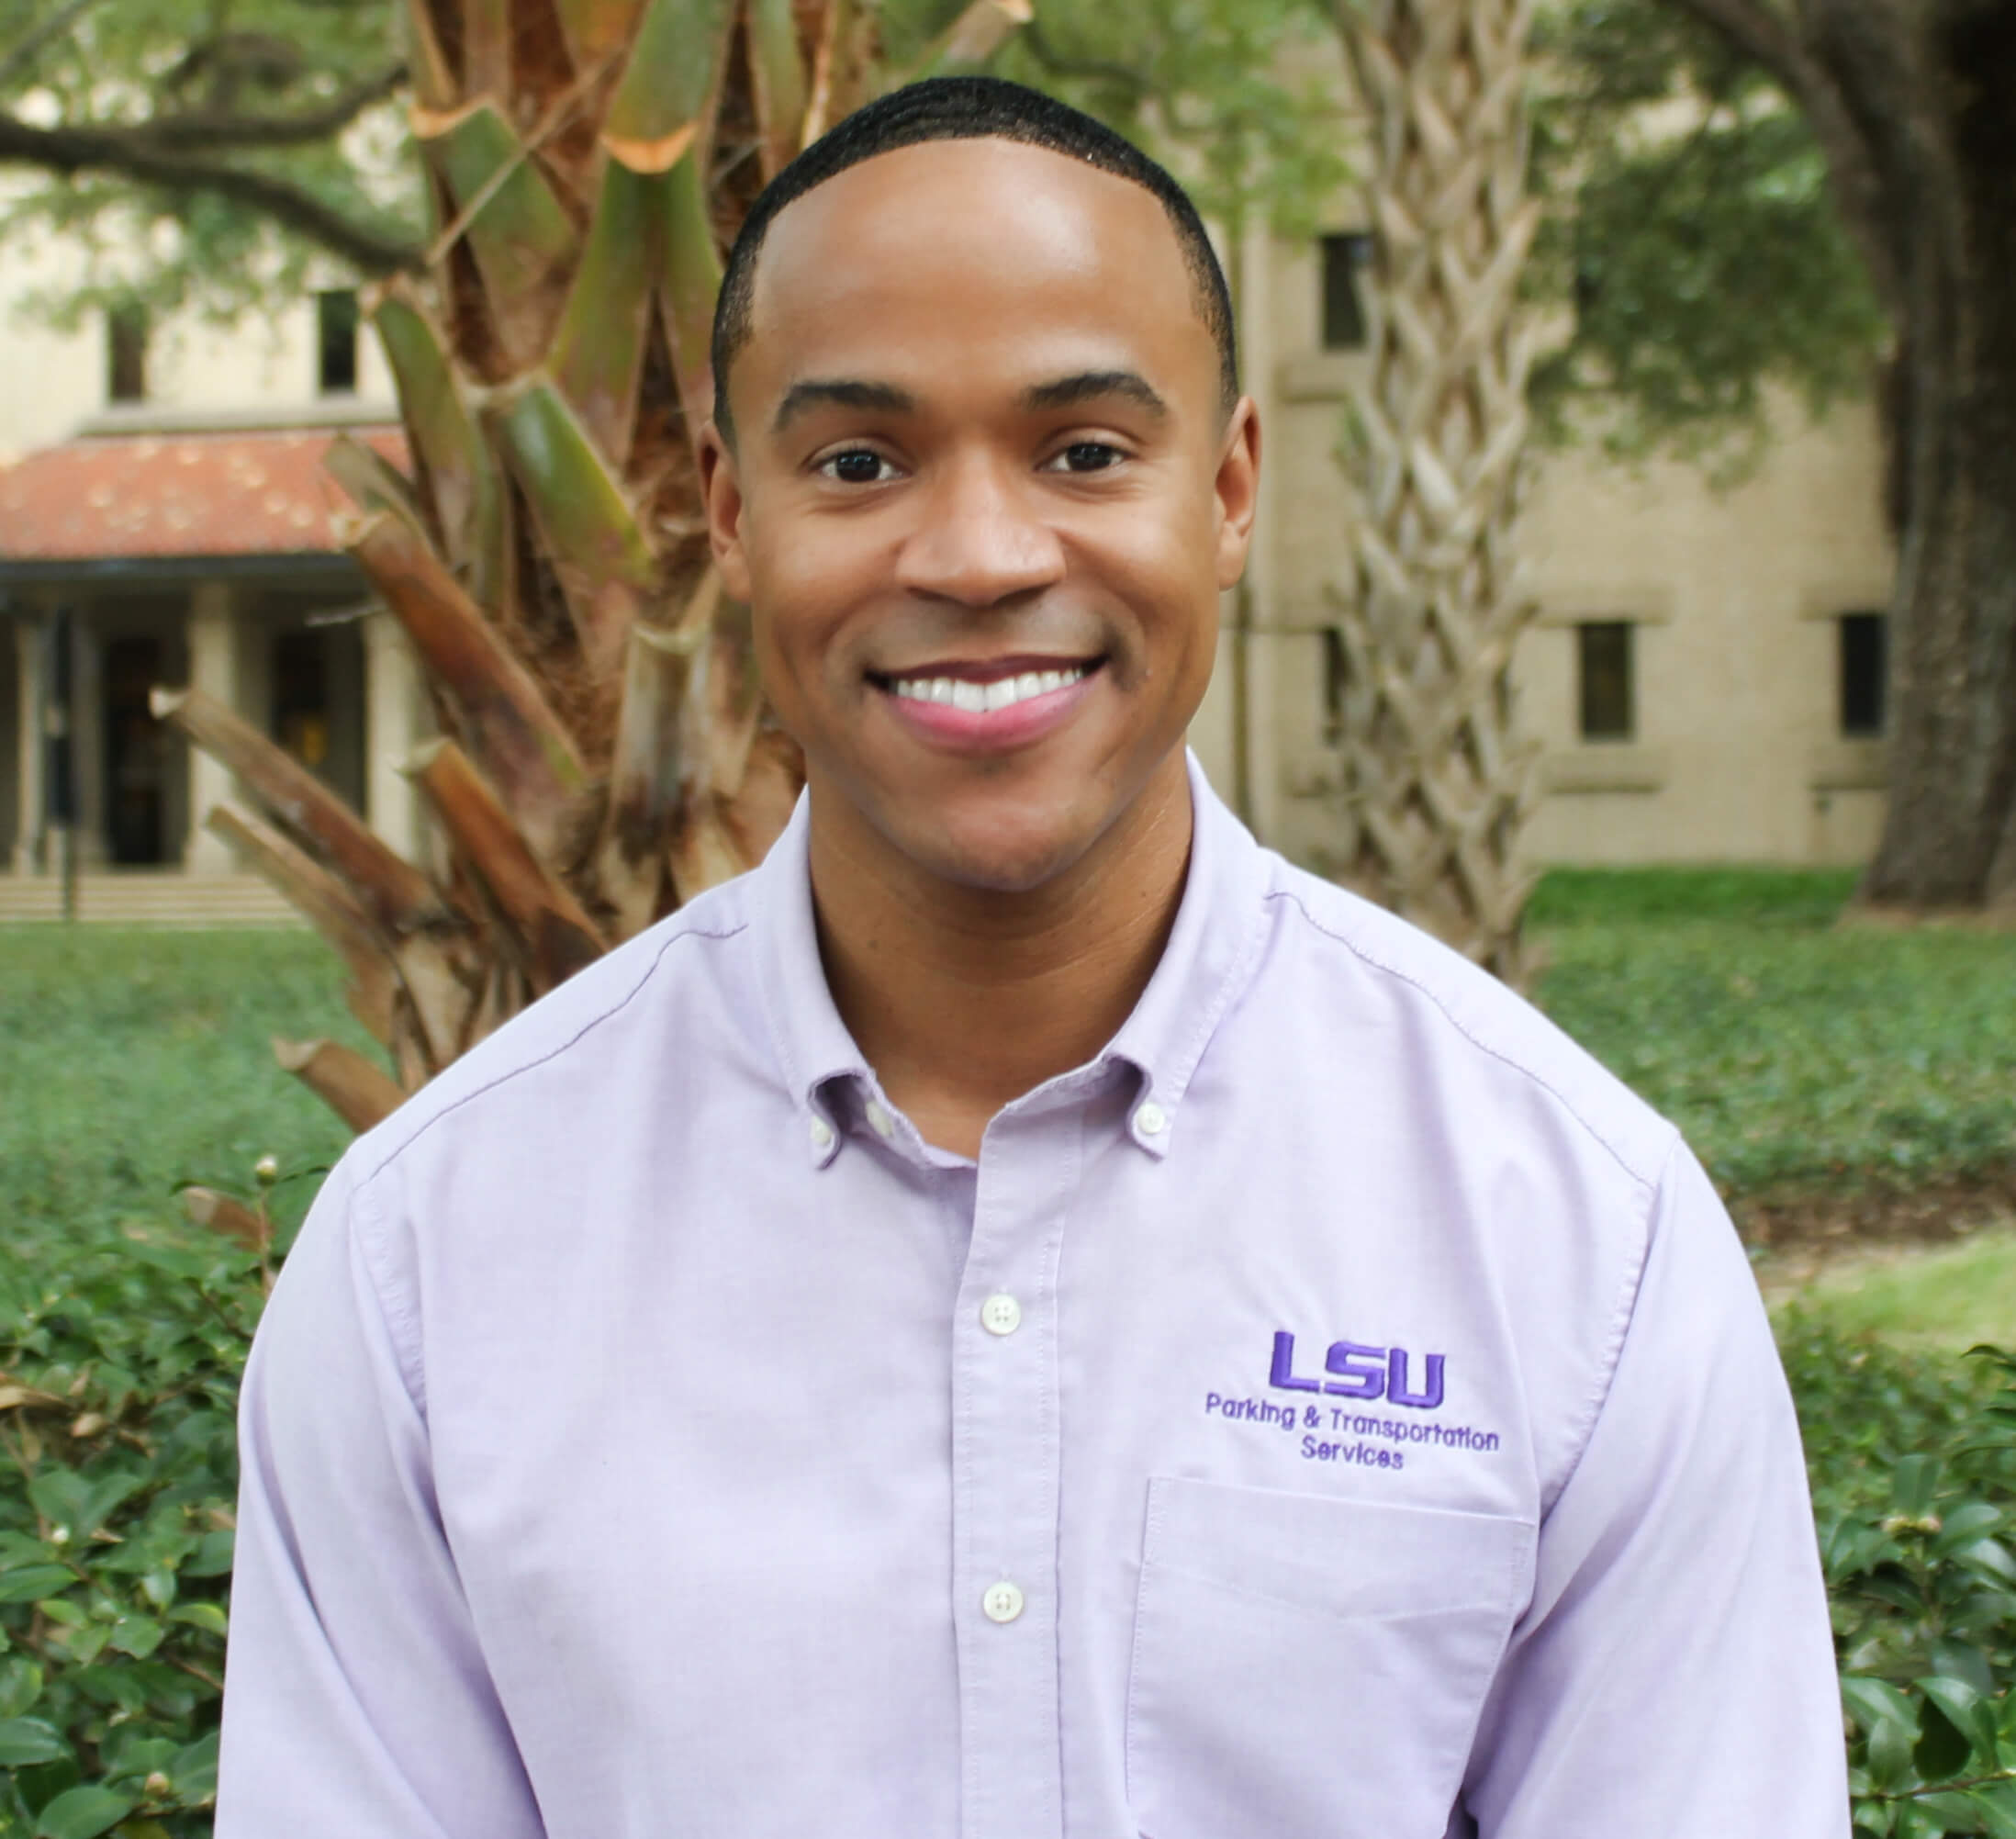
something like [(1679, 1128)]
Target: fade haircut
[(967, 109)]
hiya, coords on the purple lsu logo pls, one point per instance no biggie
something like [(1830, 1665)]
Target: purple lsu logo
[(1366, 1372)]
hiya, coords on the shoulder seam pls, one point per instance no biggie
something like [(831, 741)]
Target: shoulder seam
[(1612, 1351), (401, 1325), (572, 1040), (1448, 1015)]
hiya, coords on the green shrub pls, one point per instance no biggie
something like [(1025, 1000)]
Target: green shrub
[(118, 1382), (1913, 1465)]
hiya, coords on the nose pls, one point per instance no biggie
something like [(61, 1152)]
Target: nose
[(979, 538)]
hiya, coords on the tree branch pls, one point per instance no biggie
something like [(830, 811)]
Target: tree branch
[(121, 153), (209, 132), (1754, 31), (21, 55)]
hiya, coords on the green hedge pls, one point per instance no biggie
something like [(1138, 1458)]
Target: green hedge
[(117, 1476)]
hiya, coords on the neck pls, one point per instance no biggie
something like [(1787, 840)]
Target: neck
[(962, 999)]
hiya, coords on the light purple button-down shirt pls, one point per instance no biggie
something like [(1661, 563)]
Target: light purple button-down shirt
[(1340, 1411)]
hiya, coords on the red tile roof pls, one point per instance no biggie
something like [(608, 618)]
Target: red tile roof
[(138, 496)]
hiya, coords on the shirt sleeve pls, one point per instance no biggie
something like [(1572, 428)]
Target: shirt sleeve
[(1674, 1672), (356, 1698)]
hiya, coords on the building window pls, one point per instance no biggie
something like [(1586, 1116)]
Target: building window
[(1346, 258), (1865, 671), (336, 342), (125, 352), (1604, 673)]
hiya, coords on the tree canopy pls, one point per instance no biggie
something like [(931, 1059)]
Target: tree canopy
[(202, 155), (206, 155), (1691, 238)]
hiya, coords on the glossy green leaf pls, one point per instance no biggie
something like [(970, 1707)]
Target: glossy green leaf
[(84, 1813), (193, 1768), (137, 1635), (1970, 1713), (25, 1741), (20, 1685), (32, 1582), (1913, 1482)]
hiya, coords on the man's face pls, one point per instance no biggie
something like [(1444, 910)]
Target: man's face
[(984, 499)]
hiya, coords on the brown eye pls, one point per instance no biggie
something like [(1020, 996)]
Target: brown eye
[(1086, 456), (857, 466)]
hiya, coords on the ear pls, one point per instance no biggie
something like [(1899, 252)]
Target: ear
[(721, 492), (1236, 488)]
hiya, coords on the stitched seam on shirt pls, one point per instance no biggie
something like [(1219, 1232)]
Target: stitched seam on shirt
[(568, 1046), (1235, 978), (399, 1315), (1621, 1317), (1483, 1047)]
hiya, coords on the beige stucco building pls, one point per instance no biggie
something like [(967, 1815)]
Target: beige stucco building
[(1704, 678)]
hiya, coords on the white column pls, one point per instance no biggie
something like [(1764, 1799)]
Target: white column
[(396, 721), (27, 831), (213, 669), (87, 757)]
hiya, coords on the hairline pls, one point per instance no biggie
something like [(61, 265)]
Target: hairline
[(732, 336)]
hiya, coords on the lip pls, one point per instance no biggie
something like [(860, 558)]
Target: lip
[(976, 730)]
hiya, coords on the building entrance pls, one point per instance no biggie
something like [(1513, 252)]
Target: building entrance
[(136, 755)]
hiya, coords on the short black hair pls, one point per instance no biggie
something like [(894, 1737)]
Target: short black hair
[(967, 109)]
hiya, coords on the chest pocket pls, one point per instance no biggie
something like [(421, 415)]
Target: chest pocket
[(1311, 1668)]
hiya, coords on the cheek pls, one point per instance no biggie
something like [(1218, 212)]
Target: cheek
[(804, 587)]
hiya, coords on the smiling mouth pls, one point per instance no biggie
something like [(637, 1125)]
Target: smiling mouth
[(982, 689)]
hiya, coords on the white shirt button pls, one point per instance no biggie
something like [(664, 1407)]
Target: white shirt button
[(1151, 1120), (822, 1134), (1001, 1314), (1002, 1602), (880, 1121)]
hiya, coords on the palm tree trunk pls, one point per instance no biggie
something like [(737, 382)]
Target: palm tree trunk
[(606, 752), (1436, 783)]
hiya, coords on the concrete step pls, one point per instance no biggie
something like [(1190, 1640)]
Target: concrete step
[(147, 897)]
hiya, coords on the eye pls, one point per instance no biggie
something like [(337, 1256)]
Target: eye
[(1086, 456), (858, 466)]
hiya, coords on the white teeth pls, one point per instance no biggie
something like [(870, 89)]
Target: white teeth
[(959, 692)]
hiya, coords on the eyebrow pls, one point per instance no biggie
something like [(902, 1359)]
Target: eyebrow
[(1063, 392), (842, 392), (1087, 386)]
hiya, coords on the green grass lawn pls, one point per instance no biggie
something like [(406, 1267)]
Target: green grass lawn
[(130, 1061), (1792, 1052), (1944, 1301)]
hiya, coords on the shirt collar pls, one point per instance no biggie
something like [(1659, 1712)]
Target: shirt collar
[(1210, 956)]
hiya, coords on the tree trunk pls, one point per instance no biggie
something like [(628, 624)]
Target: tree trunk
[(1950, 158), (1436, 783), (1910, 101)]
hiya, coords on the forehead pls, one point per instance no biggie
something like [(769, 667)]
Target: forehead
[(973, 254)]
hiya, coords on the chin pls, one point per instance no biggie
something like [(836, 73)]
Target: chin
[(1003, 855)]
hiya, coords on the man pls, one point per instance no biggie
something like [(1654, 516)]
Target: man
[(1027, 1315)]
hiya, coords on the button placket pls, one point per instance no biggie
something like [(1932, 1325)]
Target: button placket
[(1005, 1469)]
